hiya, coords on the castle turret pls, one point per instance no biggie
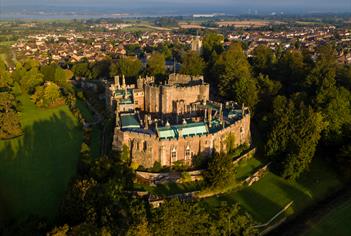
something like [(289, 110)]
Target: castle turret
[(140, 83)]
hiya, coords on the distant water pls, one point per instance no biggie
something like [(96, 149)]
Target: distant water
[(138, 10)]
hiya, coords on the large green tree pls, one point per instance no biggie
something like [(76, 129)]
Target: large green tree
[(235, 81), (128, 66), (263, 60), (220, 172), (230, 220), (179, 218), (291, 70), (28, 75), (48, 95), (293, 136), (156, 64), (192, 64), (9, 120), (212, 44), (81, 69)]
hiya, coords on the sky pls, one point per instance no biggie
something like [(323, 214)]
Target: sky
[(326, 3), (180, 7)]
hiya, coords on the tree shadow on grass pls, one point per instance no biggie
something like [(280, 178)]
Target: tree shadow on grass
[(35, 169), (300, 196)]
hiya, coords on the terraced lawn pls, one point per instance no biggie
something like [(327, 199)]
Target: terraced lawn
[(268, 196)]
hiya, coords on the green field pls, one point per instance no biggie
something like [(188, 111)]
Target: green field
[(336, 222), (247, 167), (36, 167), (268, 196)]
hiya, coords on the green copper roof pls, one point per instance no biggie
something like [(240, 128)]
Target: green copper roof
[(129, 121), (166, 132), (186, 130), (121, 92), (126, 101)]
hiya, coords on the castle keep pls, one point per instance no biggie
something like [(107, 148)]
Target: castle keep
[(174, 121)]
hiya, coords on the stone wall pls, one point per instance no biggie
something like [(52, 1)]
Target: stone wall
[(183, 79), (162, 98), (146, 149)]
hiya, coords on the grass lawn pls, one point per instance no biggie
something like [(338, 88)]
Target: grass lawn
[(36, 167), (336, 222), (268, 196), (95, 145), (247, 167)]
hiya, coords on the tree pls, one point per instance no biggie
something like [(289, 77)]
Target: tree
[(10, 125), (293, 137), (321, 80), (128, 66), (267, 87), (332, 101), (156, 65), (81, 69), (48, 95), (234, 77), (10, 122), (192, 64), (179, 218), (263, 60), (220, 172), (5, 77), (291, 70), (212, 43), (231, 221), (100, 69)]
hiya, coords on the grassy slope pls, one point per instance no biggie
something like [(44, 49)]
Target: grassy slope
[(36, 168), (336, 222), (247, 167), (268, 196)]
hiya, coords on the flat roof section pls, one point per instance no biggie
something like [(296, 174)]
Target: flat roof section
[(129, 121), (186, 130)]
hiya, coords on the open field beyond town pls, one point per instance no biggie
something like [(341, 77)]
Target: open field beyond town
[(35, 168)]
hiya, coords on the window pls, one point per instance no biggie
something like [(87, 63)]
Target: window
[(174, 155), (136, 102), (187, 153)]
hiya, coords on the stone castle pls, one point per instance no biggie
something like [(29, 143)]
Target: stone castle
[(174, 121)]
